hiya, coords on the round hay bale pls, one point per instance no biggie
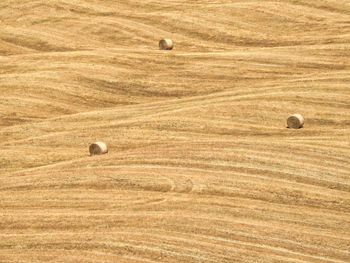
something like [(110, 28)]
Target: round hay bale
[(97, 148), (166, 44), (295, 121)]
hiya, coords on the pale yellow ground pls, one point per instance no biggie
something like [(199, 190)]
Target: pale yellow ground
[(201, 165)]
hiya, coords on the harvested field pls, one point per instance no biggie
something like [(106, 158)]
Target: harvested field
[(201, 166)]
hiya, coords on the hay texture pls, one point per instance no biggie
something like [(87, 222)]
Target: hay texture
[(296, 121), (166, 44), (98, 148)]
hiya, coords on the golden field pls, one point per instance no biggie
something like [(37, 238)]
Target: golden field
[(201, 166)]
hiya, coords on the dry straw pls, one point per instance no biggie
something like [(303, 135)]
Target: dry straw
[(166, 44), (295, 121), (97, 148)]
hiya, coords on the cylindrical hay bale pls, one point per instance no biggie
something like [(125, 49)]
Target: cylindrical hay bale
[(97, 148), (295, 121), (166, 44)]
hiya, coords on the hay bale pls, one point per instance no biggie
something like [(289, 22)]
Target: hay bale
[(295, 121), (166, 44), (97, 148)]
